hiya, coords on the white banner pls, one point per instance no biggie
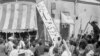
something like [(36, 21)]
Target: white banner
[(50, 26), (66, 19)]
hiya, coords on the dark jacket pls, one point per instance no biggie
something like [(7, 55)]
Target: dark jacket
[(39, 50)]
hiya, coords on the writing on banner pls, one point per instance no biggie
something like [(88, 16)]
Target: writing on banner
[(50, 26)]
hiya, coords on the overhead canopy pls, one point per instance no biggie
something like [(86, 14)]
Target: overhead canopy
[(17, 16)]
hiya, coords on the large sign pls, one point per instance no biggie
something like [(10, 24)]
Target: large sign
[(50, 26)]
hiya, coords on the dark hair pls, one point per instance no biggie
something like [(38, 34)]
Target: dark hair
[(40, 43), (82, 44), (50, 44), (59, 38), (16, 42), (98, 45), (89, 36), (73, 43), (55, 50), (33, 43), (93, 22), (46, 49), (27, 46), (15, 46)]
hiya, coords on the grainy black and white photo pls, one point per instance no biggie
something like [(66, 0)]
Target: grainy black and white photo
[(49, 27)]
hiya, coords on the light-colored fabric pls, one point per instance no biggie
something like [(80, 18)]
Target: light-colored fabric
[(15, 16), (9, 45), (67, 19), (90, 53), (14, 52), (28, 52), (11, 38), (51, 51), (21, 44), (67, 48), (65, 53), (21, 51), (45, 54)]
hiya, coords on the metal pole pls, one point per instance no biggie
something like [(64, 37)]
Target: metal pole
[(13, 34), (80, 30), (75, 13), (6, 37), (19, 35), (29, 39), (45, 37)]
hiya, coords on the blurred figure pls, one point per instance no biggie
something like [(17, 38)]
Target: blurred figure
[(96, 31), (51, 50), (28, 52), (97, 49), (90, 50), (82, 47), (9, 45), (46, 50), (65, 52), (56, 51), (2, 48), (15, 51), (39, 50), (21, 44)]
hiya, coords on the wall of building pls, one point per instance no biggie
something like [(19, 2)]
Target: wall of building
[(84, 11), (87, 11)]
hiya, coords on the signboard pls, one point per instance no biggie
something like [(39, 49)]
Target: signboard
[(50, 26)]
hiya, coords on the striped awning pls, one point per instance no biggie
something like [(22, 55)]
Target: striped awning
[(16, 16)]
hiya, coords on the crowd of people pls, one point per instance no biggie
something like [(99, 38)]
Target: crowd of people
[(83, 45)]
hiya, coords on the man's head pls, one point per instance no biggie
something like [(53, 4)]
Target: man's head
[(93, 22), (11, 38)]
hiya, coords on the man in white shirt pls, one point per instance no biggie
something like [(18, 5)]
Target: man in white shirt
[(9, 45), (21, 44), (14, 52)]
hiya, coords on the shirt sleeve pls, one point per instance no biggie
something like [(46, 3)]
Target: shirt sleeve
[(31, 53), (11, 53), (23, 43)]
